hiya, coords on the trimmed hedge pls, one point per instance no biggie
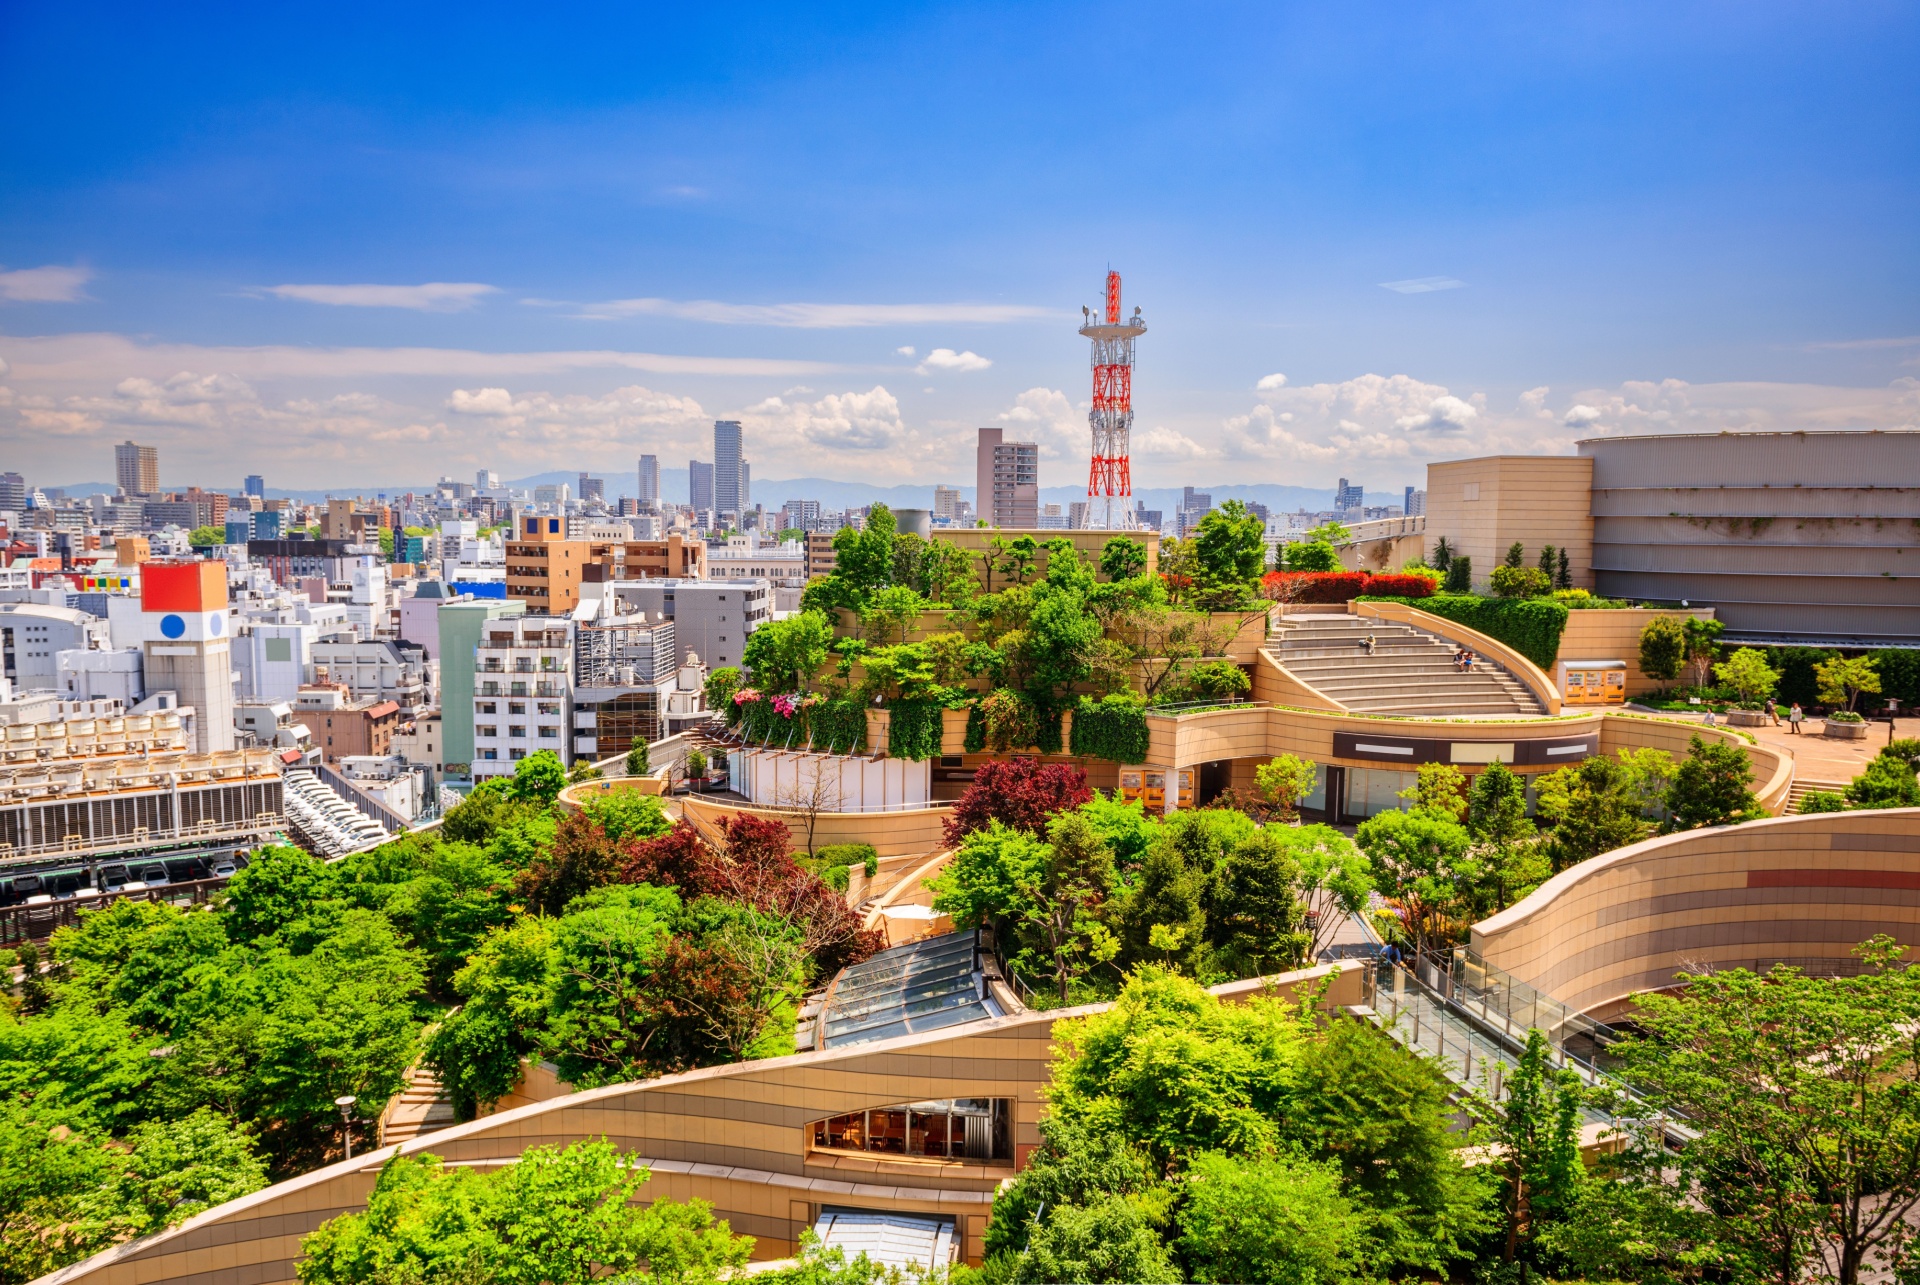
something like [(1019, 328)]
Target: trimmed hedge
[(1114, 728), (1531, 626), (913, 729), (1345, 586)]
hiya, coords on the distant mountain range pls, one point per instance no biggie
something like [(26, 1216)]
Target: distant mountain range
[(834, 495)]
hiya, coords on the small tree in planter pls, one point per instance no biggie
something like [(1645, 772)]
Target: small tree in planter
[(637, 760), (1749, 674), (696, 764), (1842, 680), (1460, 574), (1521, 582), (1663, 649)]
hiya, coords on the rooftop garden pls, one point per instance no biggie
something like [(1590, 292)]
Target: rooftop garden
[(155, 1060), (1015, 636)]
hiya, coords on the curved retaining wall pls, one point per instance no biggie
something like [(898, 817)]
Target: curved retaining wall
[(1800, 889), (731, 1135), (892, 834)]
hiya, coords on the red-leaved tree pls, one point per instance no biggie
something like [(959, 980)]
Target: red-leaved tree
[(1020, 793), (755, 867)]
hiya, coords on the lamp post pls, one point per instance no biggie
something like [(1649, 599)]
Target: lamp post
[(346, 1120), (1893, 707)]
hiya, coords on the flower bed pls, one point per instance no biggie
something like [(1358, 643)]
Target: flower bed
[(1342, 586)]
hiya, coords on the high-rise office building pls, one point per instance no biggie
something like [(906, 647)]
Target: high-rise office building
[(728, 494), (1008, 476), (256, 485), (137, 468), (1348, 497), (946, 502), (649, 482), (592, 488), (486, 480), (13, 492), (800, 515), (1415, 504), (700, 485), (746, 487)]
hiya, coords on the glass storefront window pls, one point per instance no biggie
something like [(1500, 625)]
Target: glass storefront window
[(976, 1129), (1371, 791)]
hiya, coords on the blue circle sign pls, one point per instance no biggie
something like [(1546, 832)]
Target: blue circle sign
[(216, 624), (172, 626)]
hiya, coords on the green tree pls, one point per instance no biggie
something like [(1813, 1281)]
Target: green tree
[(201, 536), (47, 1173), (1442, 555), (1168, 893), (1106, 1240), (1269, 1221), (1803, 1094), (888, 612), (1663, 648), (1231, 547), (1748, 673), (1309, 555), (1549, 562), (1516, 555), (1074, 878), (1336, 880), (637, 760), (1214, 680), (1460, 574), (1122, 558), (555, 1217), (1282, 782), (1440, 789), (1255, 919), (1424, 869), (1497, 806), (1702, 645), (1711, 787), (719, 688), (1537, 1125), (1888, 782), (1843, 680), (1593, 807), (783, 655), (1563, 575), (863, 559), (538, 778), (176, 1168)]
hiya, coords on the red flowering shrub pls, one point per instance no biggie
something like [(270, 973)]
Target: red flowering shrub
[(1021, 793), (1340, 586), (1399, 586)]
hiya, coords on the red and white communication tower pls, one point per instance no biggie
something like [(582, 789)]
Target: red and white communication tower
[(1111, 418)]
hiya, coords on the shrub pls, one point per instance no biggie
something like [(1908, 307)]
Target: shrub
[(976, 738), (1821, 801), (1217, 680), (1888, 782), (1521, 582), (720, 687), (1010, 720), (1345, 586), (637, 759), (1531, 626), (1460, 574), (1845, 716), (848, 854), (913, 729), (1114, 729)]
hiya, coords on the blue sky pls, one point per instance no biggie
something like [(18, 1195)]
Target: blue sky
[(370, 245)]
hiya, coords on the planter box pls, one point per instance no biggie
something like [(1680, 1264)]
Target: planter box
[(1847, 731), (1748, 718)]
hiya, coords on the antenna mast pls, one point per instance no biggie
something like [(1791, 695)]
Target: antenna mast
[(1111, 419)]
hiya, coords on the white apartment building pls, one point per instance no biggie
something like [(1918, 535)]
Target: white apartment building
[(749, 557), (374, 668), (522, 692)]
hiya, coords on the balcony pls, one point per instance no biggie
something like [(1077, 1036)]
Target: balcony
[(488, 689)]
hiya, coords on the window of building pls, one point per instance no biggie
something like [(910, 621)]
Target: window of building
[(517, 707), (550, 708), (549, 733), (517, 731), (490, 754), (516, 754), (974, 1129), (486, 707), (486, 730)]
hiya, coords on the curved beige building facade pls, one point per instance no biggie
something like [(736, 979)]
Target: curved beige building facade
[(1803, 890)]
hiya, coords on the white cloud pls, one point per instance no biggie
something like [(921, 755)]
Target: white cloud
[(804, 316), (51, 284), (868, 421), (1422, 285), (109, 356), (905, 350), (1580, 416), (434, 296), (4, 368), (1046, 416), (948, 359), (1444, 414), (1270, 382)]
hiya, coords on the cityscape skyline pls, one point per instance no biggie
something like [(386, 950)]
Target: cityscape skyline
[(1753, 270)]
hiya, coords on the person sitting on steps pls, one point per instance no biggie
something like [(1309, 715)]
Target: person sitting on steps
[(1368, 644)]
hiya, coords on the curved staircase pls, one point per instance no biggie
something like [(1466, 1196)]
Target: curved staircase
[(1410, 671), (422, 1107)]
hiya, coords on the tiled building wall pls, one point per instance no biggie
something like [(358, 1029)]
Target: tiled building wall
[(1805, 889), (732, 1135)]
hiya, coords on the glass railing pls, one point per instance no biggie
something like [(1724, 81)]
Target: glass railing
[(1499, 998)]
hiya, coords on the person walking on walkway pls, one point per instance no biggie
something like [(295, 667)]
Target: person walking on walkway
[(1709, 716), (1794, 716)]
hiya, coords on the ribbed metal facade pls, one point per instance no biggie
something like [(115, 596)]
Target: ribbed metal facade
[(1791, 537)]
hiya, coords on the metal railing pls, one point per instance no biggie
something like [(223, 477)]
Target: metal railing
[(37, 923)]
